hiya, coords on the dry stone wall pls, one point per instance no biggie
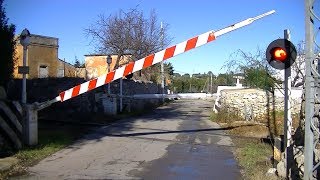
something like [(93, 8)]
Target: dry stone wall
[(39, 90), (254, 103)]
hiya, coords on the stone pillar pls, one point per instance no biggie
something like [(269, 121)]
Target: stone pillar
[(31, 125)]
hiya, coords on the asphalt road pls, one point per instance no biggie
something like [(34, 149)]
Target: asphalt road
[(173, 142)]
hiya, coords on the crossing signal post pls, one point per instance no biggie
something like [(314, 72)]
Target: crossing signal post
[(281, 54)]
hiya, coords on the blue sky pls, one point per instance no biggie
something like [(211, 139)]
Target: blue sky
[(67, 19)]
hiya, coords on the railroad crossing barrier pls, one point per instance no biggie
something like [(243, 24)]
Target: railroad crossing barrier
[(152, 59), (132, 67)]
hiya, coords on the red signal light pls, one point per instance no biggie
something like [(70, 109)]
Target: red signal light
[(279, 54)]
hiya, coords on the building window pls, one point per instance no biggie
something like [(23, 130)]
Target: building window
[(43, 71), (60, 73)]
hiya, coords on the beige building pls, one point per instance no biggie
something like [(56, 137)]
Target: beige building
[(42, 59), (96, 64)]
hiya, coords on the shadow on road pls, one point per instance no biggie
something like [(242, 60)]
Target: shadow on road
[(170, 132), (175, 110)]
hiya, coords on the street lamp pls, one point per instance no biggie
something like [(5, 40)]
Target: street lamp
[(109, 61), (24, 41)]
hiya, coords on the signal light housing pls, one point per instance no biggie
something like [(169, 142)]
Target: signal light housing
[(281, 54)]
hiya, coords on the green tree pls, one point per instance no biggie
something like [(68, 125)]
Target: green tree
[(176, 75), (77, 64), (257, 72), (168, 68), (7, 47), (225, 79), (259, 78), (185, 83)]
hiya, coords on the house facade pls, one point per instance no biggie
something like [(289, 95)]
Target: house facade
[(42, 59), (96, 64)]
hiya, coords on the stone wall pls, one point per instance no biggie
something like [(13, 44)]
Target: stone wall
[(39, 90), (253, 103), (131, 87)]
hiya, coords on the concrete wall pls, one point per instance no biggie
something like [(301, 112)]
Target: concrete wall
[(252, 103), (195, 96)]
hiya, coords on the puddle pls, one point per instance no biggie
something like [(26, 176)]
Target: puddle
[(185, 170), (230, 162)]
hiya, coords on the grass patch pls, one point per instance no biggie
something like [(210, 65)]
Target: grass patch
[(225, 116), (52, 138), (49, 143), (254, 157)]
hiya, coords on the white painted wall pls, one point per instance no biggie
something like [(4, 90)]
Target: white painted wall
[(194, 95), (296, 93)]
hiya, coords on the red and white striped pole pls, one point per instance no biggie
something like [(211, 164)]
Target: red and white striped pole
[(152, 59)]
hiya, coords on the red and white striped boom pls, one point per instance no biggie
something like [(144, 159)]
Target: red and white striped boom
[(152, 59)]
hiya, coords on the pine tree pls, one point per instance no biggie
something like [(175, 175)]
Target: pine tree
[(7, 47)]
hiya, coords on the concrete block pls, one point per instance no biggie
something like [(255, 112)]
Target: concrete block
[(109, 105), (31, 126), (277, 149)]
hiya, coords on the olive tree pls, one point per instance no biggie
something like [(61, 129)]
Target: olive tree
[(128, 32)]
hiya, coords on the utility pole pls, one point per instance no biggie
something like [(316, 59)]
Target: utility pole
[(109, 61), (287, 114), (211, 83), (162, 68), (309, 93)]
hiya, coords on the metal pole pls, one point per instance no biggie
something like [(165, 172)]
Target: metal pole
[(309, 85), (120, 99), (109, 89), (211, 84), (287, 113), (162, 68), (24, 79), (162, 80)]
